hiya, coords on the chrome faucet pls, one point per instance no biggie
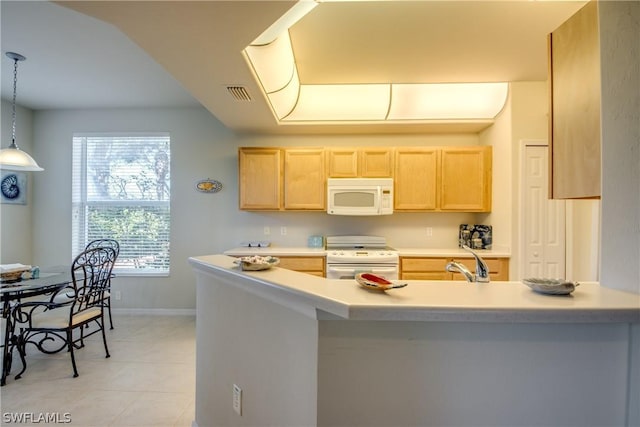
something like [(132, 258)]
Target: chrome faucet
[(456, 267), (482, 269)]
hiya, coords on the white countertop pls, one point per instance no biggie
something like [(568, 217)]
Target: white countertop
[(406, 252), (425, 300)]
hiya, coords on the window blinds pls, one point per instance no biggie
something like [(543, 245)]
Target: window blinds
[(121, 190)]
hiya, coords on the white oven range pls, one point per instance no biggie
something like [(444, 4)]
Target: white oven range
[(350, 255)]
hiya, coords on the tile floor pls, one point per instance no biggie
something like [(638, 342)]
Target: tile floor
[(149, 380)]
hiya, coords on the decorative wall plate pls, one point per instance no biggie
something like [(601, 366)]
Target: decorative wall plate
[(208, 186), (13, 186)]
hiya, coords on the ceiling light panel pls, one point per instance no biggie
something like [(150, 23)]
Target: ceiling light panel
[(341, 103), (450, 101), (273, 63), (284, 101)]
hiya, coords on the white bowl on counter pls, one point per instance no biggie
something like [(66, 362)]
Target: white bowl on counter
[(550, 286)]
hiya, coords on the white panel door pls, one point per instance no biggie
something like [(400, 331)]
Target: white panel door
[(544, 219)]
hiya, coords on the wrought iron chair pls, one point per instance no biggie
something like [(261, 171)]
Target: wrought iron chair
[(50, 326), (63, 295), (113, 244)]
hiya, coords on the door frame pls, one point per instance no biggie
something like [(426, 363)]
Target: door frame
[(568, 229)]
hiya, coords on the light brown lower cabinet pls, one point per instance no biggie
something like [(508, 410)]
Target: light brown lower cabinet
[(433, 268), (304, 264)]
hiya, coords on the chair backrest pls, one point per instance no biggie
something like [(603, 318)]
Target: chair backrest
[(104, 243), (90, 272)]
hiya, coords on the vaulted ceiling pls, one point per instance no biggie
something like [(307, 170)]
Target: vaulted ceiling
[(198, 46)]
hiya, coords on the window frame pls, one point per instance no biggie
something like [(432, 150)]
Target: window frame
[(80, 202)]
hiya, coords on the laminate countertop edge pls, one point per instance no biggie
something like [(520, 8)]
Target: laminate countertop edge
[(423, 300)]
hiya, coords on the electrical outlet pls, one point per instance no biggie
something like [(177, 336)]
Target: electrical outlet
[(283, 231), (237, 399), (118, 295), (429, 231), (267, 231)]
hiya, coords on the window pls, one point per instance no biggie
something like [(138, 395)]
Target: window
[(121, 190)]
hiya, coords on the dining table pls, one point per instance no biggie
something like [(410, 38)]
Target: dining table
[(50, 280)]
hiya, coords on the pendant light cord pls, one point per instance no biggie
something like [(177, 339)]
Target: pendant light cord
[(13, 109)]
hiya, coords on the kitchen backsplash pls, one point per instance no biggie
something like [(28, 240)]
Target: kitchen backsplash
[(405, 230)]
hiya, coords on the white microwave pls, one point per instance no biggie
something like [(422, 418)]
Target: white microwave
[(360, 196)]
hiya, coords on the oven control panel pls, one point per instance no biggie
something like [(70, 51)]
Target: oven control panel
[(365, 256)]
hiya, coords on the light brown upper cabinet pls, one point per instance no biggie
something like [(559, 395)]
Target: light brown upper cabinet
[(465, 179), (574, 128), (260, 178), (447, 179), (282, 179), (416, 175), (304, 179), (364, 162), (426, 179)]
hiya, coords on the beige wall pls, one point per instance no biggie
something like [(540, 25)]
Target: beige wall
[(15, 220), (620, 74)]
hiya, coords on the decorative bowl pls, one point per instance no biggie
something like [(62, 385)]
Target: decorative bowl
[(551, 286), (257, 263), (11, 277), (377, 283), (10, 273)]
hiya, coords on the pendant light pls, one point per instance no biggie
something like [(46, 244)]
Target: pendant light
[(13, 158)]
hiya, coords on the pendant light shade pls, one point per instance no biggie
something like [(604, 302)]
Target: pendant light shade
[(13, 158)]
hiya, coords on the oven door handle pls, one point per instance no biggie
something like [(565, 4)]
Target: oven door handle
[(381, 270)]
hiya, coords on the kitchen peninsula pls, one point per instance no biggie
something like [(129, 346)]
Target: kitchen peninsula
[(308, 351)]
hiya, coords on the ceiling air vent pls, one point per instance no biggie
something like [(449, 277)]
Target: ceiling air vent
[(239, 93)]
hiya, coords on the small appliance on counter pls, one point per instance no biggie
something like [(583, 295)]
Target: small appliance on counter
[(475, 236), (315, 242)]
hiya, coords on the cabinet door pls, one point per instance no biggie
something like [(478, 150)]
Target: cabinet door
[(424, 268), (260, 171), (365, 162), (433, 268), (304, 179), (498, 268), (415, 179), (466, 179), (375, 162), (305, 264), (574, 58), (343, 162)]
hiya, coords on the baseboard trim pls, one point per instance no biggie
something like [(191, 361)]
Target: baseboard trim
[(155, 311)]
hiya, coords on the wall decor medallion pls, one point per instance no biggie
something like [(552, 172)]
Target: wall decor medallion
[(13, 187), (208, 186)]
